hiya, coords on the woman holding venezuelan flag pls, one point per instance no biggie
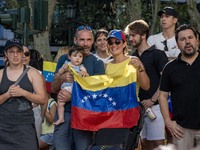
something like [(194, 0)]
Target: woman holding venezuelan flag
[(117, 47)]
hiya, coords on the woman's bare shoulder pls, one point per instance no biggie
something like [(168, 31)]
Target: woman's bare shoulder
[(1, 74)]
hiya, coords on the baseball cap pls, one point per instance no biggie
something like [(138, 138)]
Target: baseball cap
[(13, 42), (168, 11), (118, 34)]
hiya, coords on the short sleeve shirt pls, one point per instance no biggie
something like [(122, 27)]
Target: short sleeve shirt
[(183, 81)]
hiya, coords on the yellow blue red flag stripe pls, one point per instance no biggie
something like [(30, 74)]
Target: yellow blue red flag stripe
[(48, 70), (105, 101), (48, 73)]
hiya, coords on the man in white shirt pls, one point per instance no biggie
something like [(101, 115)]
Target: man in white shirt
[(166, 39)]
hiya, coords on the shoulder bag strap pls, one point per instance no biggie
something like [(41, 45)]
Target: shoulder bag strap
[(22, 75)]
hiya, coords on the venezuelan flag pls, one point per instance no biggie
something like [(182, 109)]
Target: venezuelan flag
[(48, 73), (106, 101)]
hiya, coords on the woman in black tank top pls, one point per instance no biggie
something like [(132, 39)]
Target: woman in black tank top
[(17, 130)]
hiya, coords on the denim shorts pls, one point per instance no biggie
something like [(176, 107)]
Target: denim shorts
[(47, 138)]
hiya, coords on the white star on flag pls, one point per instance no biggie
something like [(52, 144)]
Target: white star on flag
[(114, 103), (110, 99), (94, 96), (85, 98), (105, 95)]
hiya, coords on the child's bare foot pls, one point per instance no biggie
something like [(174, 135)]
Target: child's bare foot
[(59, 121)]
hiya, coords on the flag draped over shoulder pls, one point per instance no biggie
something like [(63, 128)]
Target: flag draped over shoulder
[(48, 73), (106, 101)]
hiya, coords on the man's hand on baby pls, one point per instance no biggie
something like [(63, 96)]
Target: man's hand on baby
[(64, 96), (67, 77)]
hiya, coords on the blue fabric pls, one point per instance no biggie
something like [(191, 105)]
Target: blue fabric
[(47, 138), (48, 75), (82, 139), (63, 134), (106, 100), (170, 104)]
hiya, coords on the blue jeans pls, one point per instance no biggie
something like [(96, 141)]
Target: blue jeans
[(63, 134), (82, 139)]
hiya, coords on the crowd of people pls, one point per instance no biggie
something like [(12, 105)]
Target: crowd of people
[(166, 67)]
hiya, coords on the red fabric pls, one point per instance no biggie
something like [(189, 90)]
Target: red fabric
[(48, 86), (93, 121)]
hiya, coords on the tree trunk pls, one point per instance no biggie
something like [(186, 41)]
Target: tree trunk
[(194, 14), (134, 9), (41, 39), (51, 7), (41, 43), (154, 23)]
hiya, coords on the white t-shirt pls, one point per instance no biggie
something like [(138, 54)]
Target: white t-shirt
[(105, 60), (157, 40)]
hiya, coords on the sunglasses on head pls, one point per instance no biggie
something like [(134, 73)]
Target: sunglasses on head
[(84, 27), (117, 42), (27, 54), (165, 44)]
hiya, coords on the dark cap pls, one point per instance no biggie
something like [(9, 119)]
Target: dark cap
[(13, 42), (118, 34), (168, 11)]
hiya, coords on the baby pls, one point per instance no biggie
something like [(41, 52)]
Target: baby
[(76, 57)]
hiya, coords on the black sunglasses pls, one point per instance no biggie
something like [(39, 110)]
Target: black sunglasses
[(165, 44), (27, 54), (117, 42), (84, 27)]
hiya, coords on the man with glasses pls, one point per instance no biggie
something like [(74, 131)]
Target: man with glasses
[(63, 132), (154, 60), (166, 39)]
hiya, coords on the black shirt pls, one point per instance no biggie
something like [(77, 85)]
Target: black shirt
[(154, 61), (183, 81), (16, 110)]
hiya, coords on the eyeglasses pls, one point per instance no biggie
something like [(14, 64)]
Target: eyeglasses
[(84, 27), (117, 42), (27, 54), (165, 44)]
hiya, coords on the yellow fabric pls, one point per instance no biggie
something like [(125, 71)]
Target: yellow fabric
[(49, 66), (48, 127), (117, 75)]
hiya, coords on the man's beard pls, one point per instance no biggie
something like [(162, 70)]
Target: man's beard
[(189, 55), (137, 44)]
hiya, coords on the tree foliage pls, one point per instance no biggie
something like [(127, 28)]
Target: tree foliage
[(109, 14)]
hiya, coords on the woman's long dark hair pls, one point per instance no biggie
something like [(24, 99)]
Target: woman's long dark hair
[(36, 59)]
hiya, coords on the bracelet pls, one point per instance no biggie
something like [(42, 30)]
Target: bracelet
[(141, 70), (153, 101)]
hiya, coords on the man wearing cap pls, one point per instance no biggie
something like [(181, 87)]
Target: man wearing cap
[(17, 129), (166, 39)]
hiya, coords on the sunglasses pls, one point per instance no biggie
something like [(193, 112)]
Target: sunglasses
[(165, 44), (84, 27), (117, 42), (27, 54)]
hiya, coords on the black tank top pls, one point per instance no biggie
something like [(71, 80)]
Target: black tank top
[(16, 110)]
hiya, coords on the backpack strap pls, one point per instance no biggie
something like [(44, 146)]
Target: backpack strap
[(22, 75)]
